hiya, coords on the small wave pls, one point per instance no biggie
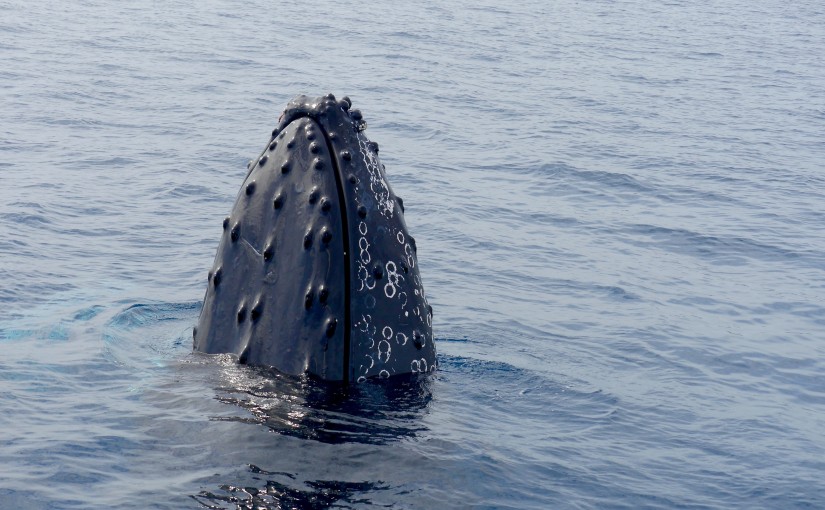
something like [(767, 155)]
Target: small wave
[(27, 219), (146, 335), (724, 250)]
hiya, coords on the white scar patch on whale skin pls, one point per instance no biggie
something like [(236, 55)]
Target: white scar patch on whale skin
[(393, 280), (420, 366), (378, 185), (375, 337)]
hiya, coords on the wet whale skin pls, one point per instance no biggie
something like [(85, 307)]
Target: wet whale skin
[(316, 272)]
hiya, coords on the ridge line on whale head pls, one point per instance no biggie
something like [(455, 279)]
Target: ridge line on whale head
[(327, 269)]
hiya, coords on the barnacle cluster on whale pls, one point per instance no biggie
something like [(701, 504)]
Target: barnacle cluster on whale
[(316, 271)]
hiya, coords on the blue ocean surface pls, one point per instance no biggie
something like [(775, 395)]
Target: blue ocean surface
[(619, 209)]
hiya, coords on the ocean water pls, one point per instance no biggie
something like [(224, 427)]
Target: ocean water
[(618, 208)]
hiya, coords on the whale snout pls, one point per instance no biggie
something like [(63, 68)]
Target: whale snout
[(315, 271)]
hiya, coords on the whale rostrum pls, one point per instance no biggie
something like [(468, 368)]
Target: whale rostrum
[(316, 272)]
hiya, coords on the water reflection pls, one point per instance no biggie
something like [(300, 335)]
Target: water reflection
[(319, 494), (305, 407), (328, 418)]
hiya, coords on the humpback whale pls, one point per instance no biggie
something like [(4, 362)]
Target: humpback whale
[(315, 272)]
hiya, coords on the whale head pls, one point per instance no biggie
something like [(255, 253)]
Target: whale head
[(316, 272)]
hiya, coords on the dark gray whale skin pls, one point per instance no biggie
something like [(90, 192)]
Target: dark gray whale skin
[(316, 272)]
